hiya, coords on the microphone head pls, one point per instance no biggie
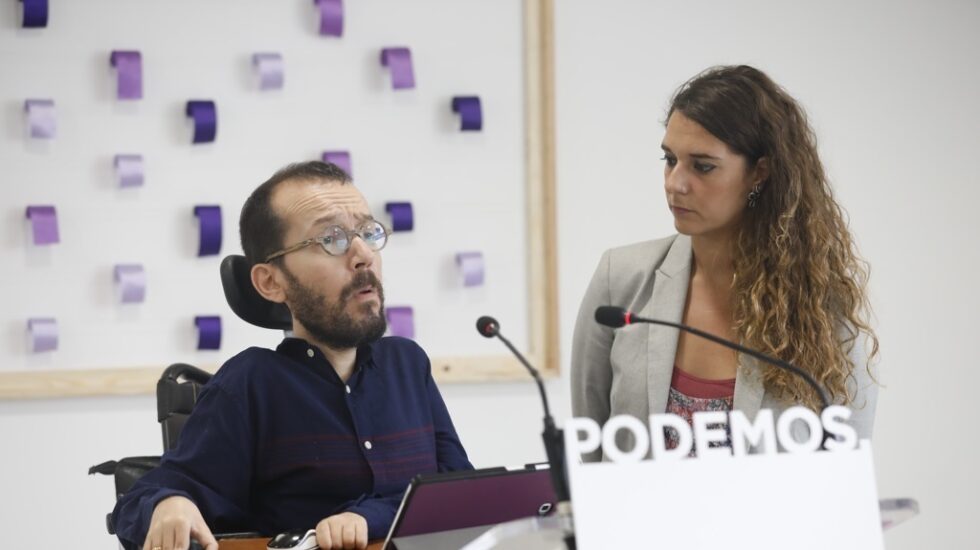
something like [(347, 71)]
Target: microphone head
[(487, 326), (611, 316)]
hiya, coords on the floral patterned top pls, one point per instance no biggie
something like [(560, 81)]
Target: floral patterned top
[(690, 394)]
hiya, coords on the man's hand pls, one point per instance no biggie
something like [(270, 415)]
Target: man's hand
[(175, 520), (342, 531)]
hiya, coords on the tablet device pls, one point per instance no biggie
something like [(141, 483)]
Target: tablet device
[(461, 502)]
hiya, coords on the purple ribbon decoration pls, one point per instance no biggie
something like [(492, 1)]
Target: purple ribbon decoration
[(205, 117), (40, 118), (35, 14), (270, 69), (44, 224), (129, 74), (340, 158), (208, 331), (401, 215), (129, 170), (130, 282), (210, 224), (43, 333), (470, 112), (399, 60), (400, 322), (331, 17), (471, 266)]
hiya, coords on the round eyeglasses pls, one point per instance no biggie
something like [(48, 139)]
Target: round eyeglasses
[(337, 240)]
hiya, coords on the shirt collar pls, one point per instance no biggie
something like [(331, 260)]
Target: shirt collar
[(305, 353)]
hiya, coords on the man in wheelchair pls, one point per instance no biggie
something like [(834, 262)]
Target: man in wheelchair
[(326, 430)]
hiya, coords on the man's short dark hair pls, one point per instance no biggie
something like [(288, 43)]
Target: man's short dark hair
[(261, 229)]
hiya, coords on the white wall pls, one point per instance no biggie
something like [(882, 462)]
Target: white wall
[(892, 89)]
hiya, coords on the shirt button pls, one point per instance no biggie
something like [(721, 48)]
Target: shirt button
[(367, 445), (348, 391), (309, 352)]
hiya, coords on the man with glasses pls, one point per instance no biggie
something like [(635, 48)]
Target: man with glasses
[(327, 430)]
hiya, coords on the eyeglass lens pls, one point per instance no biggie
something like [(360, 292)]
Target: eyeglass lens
[(336, 241)]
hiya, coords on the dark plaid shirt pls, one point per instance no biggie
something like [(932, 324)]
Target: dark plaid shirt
[(278, 441)]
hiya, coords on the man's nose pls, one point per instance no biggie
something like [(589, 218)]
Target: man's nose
[(360, 254)]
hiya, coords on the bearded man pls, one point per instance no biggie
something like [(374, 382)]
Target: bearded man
[(326, 430)]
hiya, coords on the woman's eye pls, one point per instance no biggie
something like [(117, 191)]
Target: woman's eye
[(703, 168), (670, 160)]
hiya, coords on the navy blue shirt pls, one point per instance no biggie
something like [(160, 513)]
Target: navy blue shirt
[(278, 441)]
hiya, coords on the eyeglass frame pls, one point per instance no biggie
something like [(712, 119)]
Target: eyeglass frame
[(350, 234)]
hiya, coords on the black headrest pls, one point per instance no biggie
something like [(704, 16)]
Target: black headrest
[(245, 301)]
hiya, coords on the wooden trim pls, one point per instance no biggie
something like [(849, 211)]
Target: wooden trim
[(542, 214), (543, 352)]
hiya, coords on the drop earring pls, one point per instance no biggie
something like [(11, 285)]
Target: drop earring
[(754, 196)]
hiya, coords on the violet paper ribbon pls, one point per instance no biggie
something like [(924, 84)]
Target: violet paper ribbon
[(35, 14), (471, 266), (341, 159), (331, 17), (399, 60), (210, 229), (270, 69), (400, 321), (205, 116), (470, 112), (208, 331), (43, 333), (130, 282), (402, 218), (41, 118), (129, 170), (44, 224), (129, 73)]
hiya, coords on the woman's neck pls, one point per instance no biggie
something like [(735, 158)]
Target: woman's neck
[(714, 262)]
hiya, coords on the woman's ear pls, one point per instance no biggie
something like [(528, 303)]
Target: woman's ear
[(266, 281)]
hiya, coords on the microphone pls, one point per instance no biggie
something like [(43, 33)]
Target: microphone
[(616, 317), (554, 441)]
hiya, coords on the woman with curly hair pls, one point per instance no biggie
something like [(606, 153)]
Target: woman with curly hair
[(762, 257)]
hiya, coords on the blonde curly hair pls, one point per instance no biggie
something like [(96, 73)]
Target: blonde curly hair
[(800, 287)]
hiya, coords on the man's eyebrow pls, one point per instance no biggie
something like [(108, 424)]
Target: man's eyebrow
[(332, 218)]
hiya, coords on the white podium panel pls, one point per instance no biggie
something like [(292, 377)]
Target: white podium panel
[(816, 501)]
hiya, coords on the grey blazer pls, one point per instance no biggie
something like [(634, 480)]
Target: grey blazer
[(628, 371)]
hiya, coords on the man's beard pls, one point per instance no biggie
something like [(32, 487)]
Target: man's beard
[(329, 322)]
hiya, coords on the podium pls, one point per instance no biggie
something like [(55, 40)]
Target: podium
[(814, 500)]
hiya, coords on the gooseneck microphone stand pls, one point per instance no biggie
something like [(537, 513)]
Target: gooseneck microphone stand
[(616, 317), (554, 442)]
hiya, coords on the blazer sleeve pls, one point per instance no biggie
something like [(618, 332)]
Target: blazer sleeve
[(591, 377)]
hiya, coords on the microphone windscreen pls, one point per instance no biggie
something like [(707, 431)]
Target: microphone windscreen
[(610, 316), (487, 326)]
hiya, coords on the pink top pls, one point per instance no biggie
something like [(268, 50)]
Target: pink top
[(702, 388)]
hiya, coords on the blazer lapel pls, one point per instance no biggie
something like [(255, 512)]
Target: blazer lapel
[(667, 304), (749, 389)]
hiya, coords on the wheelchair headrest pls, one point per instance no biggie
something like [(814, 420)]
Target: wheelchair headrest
[(245, 301)]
